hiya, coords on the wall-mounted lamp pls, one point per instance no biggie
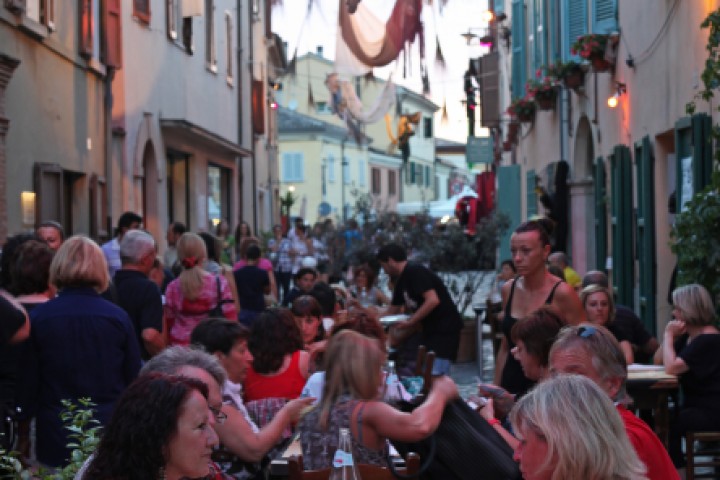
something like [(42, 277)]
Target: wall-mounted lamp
[(27, 203), (620, 89)]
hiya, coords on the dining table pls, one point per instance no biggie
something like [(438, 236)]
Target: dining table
[(651, 389)]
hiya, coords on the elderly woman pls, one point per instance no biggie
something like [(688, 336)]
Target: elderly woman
[(350, 400), (569, 429), (690, 350), (532, 288), (162, 428), (82, 346), (600, 310), (280, 365), (191, 297)]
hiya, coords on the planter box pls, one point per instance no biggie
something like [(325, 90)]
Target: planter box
[(599, 64), (574, 80)]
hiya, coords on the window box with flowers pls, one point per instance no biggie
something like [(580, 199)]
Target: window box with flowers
[(543, 92), (570, 73), (523, 109), (592, 47)]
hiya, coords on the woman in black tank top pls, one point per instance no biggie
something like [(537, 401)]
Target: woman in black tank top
[(532, 288)]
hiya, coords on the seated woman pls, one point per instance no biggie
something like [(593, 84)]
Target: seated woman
[(364, 289), (690, 350), (350, 400), (569, 429), (600, 310), (308, 315), (280, 366), (162, 427)]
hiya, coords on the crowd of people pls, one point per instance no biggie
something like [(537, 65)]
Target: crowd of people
[(203, 362)]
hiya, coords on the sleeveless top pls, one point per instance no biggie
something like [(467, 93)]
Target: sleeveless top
[(318, 445), (288, 384), (513, 379)]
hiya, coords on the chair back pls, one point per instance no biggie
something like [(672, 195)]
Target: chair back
[(367, 472), (424, 366)]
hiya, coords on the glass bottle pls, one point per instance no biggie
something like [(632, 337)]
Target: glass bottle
[(364, 297), (343, 466)]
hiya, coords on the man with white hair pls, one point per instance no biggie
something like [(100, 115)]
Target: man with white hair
[(135, 293)]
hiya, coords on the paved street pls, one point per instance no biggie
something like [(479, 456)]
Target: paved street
[(466, 374)]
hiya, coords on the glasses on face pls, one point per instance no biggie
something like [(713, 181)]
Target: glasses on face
[(586, 332), (219, 415)]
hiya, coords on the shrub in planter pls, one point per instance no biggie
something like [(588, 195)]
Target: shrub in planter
[(592, 47), (523, 109), (570, 73), (543, 91)]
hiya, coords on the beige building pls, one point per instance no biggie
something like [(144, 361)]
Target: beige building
[(624, 163)]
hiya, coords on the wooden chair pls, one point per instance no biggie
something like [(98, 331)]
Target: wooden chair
[(367, 472), (424, 366), (708, 446)]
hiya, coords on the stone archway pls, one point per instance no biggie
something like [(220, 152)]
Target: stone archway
[(150, 179), (582, 207)]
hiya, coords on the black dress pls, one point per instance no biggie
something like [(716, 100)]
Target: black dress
[(513, 379)]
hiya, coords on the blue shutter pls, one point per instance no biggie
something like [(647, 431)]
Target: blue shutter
[(604, 16), (575, 24), (508, 202), (539, 34), (518, 75), (531, 196), (552, 26), (286, 167), (299, 168), (499, 6)]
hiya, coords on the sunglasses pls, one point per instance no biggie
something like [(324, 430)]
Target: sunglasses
[(586, 332)]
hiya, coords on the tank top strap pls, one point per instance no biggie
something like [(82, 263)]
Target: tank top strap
[(508, 306), (552, 293)]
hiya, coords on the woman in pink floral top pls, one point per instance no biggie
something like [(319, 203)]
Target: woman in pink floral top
[(190, 297)]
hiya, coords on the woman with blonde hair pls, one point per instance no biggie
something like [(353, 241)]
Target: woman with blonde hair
[(353, 378), (569, 429), (600, 310), (192, 296), (82, 346), (690, 351)]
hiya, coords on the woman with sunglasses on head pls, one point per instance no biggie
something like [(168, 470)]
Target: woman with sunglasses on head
[(600, 309), (532, 288)]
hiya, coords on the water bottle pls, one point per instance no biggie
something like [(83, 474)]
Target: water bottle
[(364, 298), (343, 466), (392, 382)]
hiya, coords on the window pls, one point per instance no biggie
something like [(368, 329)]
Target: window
[(418, 175), (409, 173), (322, 108), (376, 187), (112, 34), (346, 170), (575, 24), (392, 182), (178, 187), (361, 173), (210, 54), (86, 28), (428, 177), (427, 127), (41, 11), (331, 169), (218, 194), (292, 167), (141, 10), (229, 47), (172, 16)]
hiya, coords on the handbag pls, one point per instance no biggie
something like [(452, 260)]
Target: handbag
[(217, 311), (464, 447)]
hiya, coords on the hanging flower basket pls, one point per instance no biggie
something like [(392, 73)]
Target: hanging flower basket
[(570, 73), (574, 79), (592, 47), (599, 64), (507, 146), (513, 129), (543, 91), (546, 99), (523, 109)]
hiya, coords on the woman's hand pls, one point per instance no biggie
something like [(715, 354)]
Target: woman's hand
[(503, 401), (296, 408), (488, 411), (675, 328)]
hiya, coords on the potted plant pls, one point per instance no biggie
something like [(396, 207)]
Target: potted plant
[(592, 47), (570, 73), (543, 91), (523, 109)]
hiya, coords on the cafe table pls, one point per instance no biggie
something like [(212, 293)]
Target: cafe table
[(651, 389)]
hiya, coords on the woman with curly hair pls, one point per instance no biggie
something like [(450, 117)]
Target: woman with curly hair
[(191, 297), (280, 365), (162, 428)]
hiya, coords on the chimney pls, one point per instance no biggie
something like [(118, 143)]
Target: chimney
[(320, 50)]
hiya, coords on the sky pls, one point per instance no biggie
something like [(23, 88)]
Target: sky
[(306, 29)]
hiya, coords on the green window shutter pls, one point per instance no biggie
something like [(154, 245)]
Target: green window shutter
[(412, 172), (575, 14), (601, 228), (604, 16), (509, 202), (645, 176), (693, 147), (518, 74), (622, 233), (531, 196), (427, 176), (499, 6)]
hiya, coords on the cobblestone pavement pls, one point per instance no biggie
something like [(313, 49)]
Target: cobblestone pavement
[(466, 375)]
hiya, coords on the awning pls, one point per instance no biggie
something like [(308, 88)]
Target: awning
[(202, 137)]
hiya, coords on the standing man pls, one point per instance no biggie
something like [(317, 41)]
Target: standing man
[(111, 249), (174, 232), (51, 233), (428, 302), (139, 296), (252, 283)]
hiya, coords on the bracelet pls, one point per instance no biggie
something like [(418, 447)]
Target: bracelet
[(494, 421)]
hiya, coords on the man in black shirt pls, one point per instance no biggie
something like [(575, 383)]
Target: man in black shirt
[(252, 284), (135, 293), (427, 301)]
